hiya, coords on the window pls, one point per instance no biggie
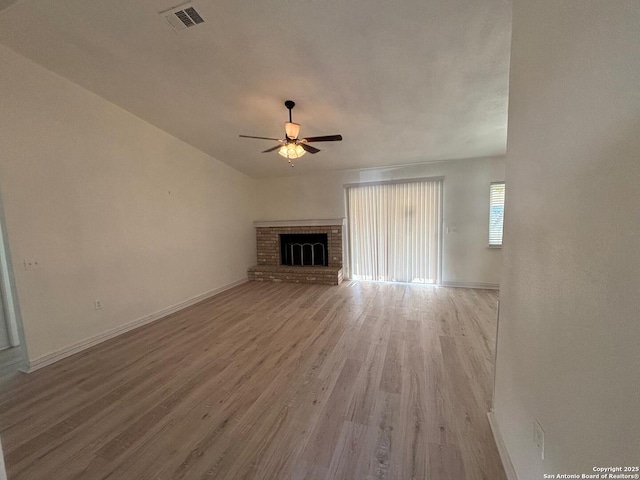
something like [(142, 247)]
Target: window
[(496, 213)]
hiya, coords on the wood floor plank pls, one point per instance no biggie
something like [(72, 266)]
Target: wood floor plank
[(381, 456), (438, 429), (347, 452), (362, 402), (271, 381), (413, 406), (327, 431), (391, 380), (445, 463)]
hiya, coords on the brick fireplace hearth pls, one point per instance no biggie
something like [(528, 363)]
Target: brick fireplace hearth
[(270, 266)]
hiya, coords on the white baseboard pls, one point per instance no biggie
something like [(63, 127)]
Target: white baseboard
[(484, 286), (90, 342), (509, 471)]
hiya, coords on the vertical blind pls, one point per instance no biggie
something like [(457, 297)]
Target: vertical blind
[(395, 231), (496, 213)]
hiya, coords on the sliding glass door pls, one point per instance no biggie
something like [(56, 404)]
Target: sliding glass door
[(395, 230)]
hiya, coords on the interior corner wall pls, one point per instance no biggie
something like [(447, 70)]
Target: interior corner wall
[(467, 259), (568, 351), (111, 208)]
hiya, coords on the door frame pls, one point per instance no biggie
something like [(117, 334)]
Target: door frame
[(8, 289)]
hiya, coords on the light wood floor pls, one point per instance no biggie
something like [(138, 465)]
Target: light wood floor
[(271, 381)]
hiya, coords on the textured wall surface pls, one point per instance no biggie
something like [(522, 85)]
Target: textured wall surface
[(568, 351), (112, 208)]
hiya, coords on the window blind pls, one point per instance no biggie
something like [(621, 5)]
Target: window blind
[(395, 231), (496, 213)]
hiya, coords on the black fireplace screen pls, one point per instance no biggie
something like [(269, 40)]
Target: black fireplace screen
[(304, 249)]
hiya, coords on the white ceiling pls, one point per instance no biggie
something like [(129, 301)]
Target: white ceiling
[(403, 81)]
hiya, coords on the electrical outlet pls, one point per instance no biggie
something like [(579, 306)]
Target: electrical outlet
[(30, 264), (538, 437), (97, 304)]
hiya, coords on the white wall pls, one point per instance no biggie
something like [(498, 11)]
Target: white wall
[(466, 256), (111, 207), (570, 329)]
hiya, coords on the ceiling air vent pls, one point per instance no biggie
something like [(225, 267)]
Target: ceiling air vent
[(182, 17)]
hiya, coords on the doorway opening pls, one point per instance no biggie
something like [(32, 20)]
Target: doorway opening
[(12, 353)]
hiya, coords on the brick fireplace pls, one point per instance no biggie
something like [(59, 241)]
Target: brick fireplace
[(272, 257)]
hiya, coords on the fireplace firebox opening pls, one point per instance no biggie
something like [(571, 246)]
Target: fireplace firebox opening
[(304, 249)]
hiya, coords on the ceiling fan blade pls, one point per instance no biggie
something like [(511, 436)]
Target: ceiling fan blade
[(309, 148), (326, 138), (272, 149), (260, 138)]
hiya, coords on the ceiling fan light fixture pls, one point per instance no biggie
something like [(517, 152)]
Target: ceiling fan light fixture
[(292, 129), (291, 151)]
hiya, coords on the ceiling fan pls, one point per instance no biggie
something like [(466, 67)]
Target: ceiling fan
[(292, 147)]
